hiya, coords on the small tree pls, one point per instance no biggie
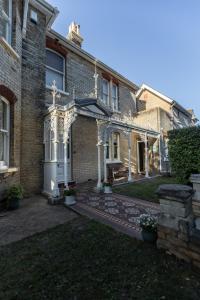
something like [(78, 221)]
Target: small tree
[(184, 152)]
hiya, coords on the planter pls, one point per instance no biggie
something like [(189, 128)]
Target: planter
[(107, 189), (13, 203), (149, 236), (70, 200)]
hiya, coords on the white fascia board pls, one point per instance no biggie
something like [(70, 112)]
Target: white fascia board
[(48, 10), (148, 88), (79, 51)]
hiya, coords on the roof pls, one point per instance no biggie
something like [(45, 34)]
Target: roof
[(163, 97), (47, 9), (92, 105), (79, 51)]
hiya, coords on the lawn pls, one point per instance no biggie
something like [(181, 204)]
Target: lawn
[(86, 260), (144, 189)]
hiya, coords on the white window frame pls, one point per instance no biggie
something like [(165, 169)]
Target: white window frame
[(8, 20), (111, 148), (103, 93), (115, 99), (4, 164), (56, 71)]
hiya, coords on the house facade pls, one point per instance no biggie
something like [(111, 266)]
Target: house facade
[(162, 114), (64, 115)]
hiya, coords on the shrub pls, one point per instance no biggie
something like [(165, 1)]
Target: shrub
[(148, 222), (184, 152), (70, 192), (15, 192)]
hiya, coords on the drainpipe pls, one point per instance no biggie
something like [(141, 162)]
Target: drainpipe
[(26, 3)]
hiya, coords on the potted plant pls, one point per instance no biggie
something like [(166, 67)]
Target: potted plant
[(70, 197), (107, 188), (148, 224), (14, 195)]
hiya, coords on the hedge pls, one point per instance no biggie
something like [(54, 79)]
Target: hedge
[(184, 152)]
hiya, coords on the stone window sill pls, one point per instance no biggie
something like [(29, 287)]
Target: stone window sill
[(9, 170), (8, 48)]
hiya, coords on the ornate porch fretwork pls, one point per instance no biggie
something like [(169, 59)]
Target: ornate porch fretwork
[(69, 118), (101, 131)]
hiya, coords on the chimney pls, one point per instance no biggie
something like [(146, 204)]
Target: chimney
[(74, 34)]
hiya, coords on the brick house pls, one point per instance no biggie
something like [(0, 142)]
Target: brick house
[(64, 115), (162, 114)]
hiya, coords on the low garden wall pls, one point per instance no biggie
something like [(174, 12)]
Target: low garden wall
[(177, 232)]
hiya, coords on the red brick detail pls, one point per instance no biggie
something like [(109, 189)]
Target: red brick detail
[(56, 46), (8, 94)]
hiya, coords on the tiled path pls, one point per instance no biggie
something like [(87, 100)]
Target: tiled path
[(121, 212)]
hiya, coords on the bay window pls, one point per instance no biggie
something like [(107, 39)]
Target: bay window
[(7, 19), (55, 69), (4, 133)]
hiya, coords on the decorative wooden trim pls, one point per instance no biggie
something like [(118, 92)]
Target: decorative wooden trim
[(56, 46)]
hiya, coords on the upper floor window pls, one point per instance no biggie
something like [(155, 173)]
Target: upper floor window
[(109, 94), (4, 132), (105, 91), (7, 20), (115, 97), (55, 69)]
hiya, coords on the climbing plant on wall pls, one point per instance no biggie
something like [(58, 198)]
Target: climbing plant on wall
[(184, 152)]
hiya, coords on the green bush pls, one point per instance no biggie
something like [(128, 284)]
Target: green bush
[(184, 152)]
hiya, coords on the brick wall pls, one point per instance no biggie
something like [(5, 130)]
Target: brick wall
[(33, 104), (10, 88)]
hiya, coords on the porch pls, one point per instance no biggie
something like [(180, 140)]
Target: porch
[(84, 141)]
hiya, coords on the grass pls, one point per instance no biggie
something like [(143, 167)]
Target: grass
[(144, 189), (86, 260)]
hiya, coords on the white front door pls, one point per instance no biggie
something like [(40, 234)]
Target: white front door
[(60, 165)]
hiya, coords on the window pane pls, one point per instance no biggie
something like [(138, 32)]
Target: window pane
[(1, 146), (115, 146), (3, 115), (107, 150), (53, 75), (6, 6), (114, 91), (54, 61)]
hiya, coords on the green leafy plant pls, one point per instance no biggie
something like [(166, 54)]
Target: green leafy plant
[(107, 184), (70, 192), (148, 222), (184, 153), (15, 192)]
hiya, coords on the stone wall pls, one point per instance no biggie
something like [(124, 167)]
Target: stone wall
[(10, 88), (176, 226)]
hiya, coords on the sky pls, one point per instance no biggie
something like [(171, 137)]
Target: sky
[(156, 42)]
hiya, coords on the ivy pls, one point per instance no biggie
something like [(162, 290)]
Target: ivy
[(184, 152)]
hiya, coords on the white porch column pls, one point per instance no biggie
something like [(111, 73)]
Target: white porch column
[(146, 156), (160, 153), (105, 164), (99, 183), (56, 139), (130, 179), (66, 159)]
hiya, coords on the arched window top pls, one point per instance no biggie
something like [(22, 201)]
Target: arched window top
[(55, 69)]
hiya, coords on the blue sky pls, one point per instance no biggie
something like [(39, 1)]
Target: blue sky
[(152, 41)]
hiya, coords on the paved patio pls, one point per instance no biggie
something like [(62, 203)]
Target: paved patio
[(120, 212), (34, 216)]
